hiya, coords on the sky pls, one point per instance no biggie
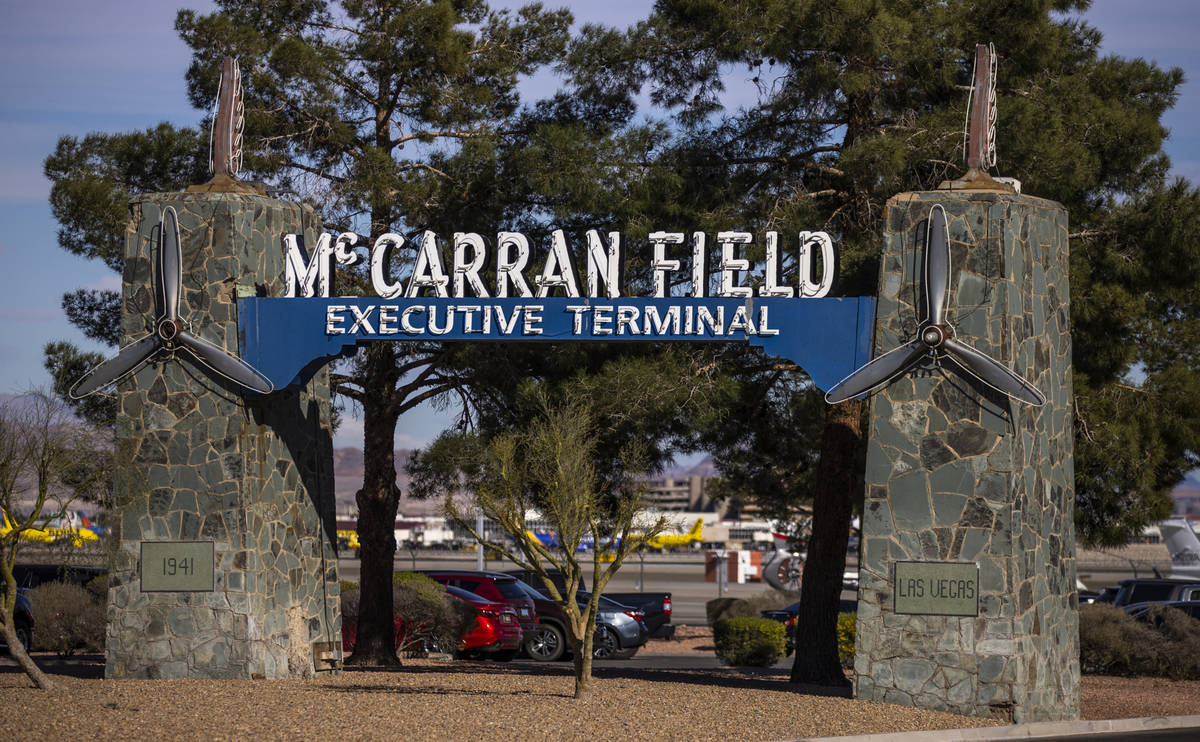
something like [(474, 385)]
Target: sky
[(70, 67)]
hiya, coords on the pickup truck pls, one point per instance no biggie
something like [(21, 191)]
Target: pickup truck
[(1151, 590), (655, 606)]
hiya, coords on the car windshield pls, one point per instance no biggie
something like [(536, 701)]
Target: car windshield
[(510, 589), (530, 591), (466, 595), (606, 604)]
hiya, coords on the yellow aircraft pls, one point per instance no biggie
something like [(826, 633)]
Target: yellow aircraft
[(64, 531), (37, 535), (348, 540), (671, 540)]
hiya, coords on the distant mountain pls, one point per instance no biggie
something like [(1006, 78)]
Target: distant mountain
[(703, 468), (348, 479)]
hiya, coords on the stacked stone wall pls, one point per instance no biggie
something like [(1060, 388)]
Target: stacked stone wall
[(199, 460), (957, 472)]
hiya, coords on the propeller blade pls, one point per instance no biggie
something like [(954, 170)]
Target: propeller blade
[(117, 367), (877, 372), (993, 374), (233, 369), (937, 263), (170, 264)]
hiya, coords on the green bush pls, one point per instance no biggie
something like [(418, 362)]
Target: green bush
[(98, 588), (66, 619), (1167, 644), (847, 624), (747, 640), (347, 585), (429, 618)]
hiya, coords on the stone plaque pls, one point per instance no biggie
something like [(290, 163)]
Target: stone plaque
[(177, 566), (936, 588)]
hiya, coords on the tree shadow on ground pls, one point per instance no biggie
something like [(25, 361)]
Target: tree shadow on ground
[(745, 678), (88, 666)]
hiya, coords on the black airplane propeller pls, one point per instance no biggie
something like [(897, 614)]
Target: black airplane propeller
[(170, 334), (935, 338)]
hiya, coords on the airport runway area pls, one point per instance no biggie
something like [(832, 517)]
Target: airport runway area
[(681, 574)]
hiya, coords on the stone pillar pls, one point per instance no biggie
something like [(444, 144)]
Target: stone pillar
[(964, 484), (236, 488)]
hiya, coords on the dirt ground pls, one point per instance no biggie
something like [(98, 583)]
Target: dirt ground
[(433, 699)]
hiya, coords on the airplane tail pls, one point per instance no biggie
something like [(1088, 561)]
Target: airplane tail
[(1183, 545), (697, 528)]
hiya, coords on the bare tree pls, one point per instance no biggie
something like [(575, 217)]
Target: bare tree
[(45, 456), (551, 467)]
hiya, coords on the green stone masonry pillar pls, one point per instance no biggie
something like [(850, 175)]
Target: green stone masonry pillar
[(225, 565), (967, 599)]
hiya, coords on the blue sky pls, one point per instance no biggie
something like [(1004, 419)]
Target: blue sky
[(77, 66)]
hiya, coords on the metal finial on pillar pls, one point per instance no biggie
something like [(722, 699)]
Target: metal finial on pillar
[(979, 139), (225, 139)]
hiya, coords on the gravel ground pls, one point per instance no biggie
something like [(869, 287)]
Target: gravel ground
[(432, 699)]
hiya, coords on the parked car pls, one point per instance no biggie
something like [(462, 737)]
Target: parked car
[(1153, 590), (32, 575), (495, 586), (787, 617), (495, 633), (1141, 611), (620, 629), (23, 613), (655, 607)]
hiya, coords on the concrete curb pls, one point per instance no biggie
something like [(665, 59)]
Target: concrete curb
[(1036, 730)]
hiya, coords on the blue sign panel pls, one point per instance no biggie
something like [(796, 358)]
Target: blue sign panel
[(288, 338)]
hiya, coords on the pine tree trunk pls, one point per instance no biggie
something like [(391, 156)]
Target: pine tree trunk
[(839, 475), (377, 501), (18, 653)]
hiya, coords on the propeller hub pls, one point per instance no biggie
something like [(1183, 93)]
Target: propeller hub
[(168, 330), (933, 336)]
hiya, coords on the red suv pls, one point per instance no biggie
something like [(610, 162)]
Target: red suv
[(495, 633), (495, 586)]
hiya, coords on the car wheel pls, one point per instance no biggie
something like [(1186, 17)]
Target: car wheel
[(435, 645), (25, 636), (625, 654), (605, 645), (504, 655), (547, 644)]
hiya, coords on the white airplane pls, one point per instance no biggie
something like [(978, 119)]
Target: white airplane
[(1183, 546)]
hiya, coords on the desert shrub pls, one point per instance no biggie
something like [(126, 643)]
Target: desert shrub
[(429, 617), (719, 609), (1167, 644), (747, 640), (347, 585), (98, 588), (66, 619), (1180, 654), (768, 600), (847, 624), (426, 616)]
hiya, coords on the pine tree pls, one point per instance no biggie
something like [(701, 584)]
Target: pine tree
[(862, 100)]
